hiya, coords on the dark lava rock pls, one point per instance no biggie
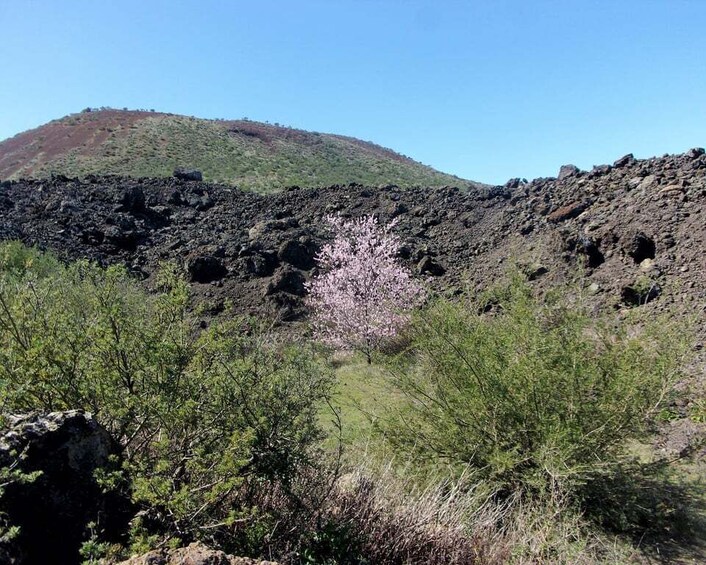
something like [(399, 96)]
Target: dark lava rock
[(200, 201), (175, 197), (427, 265), (125, 239), (599, 170), (133, 199), (476, 233), (695, 152), (624, 161), (296, 254), (515, 183), (639, 293), (188, 174), (287, 280), (567, 212), (490, 192), (567, 171), (260, 264), (640, 247), (535, 271), (53, 511), (205, 269)]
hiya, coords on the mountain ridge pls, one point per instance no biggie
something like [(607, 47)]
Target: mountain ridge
[(251, 155)]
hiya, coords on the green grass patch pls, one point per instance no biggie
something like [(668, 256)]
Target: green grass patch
[(362, 397)]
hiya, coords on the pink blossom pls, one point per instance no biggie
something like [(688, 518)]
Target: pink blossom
[(363, 296)]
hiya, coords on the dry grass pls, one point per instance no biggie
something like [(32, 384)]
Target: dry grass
[(383, 515)]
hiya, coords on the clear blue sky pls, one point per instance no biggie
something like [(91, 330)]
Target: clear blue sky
[(487, 90)]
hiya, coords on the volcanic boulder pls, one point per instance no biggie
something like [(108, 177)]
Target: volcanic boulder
[(188, 174), (133, 199), (205, 269), (640, 247), (296, 254), (64, 450)]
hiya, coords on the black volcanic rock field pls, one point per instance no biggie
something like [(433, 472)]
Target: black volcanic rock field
[(636, 229)]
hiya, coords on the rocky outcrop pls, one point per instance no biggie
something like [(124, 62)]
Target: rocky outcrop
[(188, 174), (257, 251), (59, 454), (194, 554), (205, 269)]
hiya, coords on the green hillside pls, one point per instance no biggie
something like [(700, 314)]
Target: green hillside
[(251, 155)]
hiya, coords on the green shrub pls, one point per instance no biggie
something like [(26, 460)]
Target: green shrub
[(529, 395), (201, 417)]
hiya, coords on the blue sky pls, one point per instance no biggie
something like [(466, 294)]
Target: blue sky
[(485, 90)]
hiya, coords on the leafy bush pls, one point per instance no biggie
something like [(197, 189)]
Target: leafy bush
[(200, 417), (529, 395)]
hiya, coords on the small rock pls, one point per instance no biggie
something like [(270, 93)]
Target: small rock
[(205, 269), (567, 212), (68, 205), (175, 197), (567, 171), (287, 280), (296, 254), (260, 265), (265, 227), (695, 153), (634, 182), (599, 170), (535, 271), (194, 554), (427, 265), (488, 193), (625, 160), (188, 174), (515, 183), (133, 199), (648, 182), (671, 190)]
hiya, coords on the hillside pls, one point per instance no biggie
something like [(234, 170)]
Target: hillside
[(630, 236), (251, 155)]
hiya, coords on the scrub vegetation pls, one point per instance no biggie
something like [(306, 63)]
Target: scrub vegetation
[(507, 427)]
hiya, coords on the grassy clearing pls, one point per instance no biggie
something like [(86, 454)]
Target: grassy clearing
[(362, 396)]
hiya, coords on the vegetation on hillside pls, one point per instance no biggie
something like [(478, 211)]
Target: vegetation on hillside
[(506, 429), (250, 155)]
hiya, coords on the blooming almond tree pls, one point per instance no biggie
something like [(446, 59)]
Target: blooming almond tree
[(363, 296)]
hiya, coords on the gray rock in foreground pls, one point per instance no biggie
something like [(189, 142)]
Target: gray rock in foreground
[(194, 554), (54, 509)]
